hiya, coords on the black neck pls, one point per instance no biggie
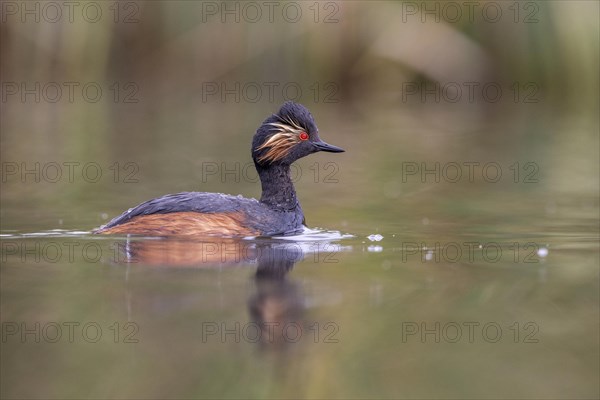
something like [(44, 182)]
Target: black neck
[(277, 188)]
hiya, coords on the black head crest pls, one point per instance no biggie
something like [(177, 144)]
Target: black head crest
[(287, 136)]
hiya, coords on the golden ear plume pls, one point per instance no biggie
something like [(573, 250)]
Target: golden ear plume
[(285, 137)]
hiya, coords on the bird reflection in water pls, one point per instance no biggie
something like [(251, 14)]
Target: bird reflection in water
[(277, 305)]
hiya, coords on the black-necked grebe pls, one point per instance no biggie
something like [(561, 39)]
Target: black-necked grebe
[(281, 139)]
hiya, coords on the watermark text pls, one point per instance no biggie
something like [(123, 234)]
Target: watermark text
[(68, 172), (69, 332)]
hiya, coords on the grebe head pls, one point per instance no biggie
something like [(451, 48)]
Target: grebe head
[(287, 136)]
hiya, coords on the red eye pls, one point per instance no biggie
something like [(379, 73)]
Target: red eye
[(304, 136)]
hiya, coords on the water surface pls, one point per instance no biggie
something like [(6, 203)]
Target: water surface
[(408, 288)]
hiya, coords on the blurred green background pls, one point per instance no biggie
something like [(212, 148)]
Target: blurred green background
[(187, 83), (164, 96)]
